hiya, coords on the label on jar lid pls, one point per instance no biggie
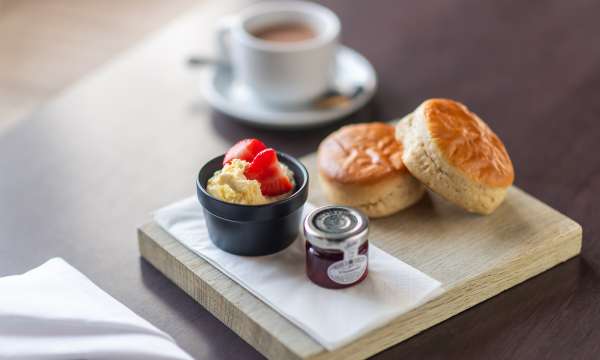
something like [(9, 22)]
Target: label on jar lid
[(335, 221)]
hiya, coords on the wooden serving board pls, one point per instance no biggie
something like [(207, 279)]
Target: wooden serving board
[(475, 257)]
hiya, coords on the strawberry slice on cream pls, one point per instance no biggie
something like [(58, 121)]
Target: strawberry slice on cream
[(244, 150), (265, 168), (251, 175)]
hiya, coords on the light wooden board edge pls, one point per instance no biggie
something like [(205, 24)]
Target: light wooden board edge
[(191, 279), (177, 263), (466, 295)]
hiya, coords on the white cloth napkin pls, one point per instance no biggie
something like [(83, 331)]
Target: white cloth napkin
[(55, 312), (332, 317)]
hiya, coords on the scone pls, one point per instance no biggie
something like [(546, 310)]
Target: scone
[(455, 154), (361, 166)]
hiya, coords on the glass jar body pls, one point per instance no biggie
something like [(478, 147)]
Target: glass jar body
[(325, 267)]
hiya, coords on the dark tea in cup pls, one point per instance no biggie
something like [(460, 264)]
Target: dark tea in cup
[(285, 32)]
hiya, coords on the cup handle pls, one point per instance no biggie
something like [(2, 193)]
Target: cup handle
[(223, 39)]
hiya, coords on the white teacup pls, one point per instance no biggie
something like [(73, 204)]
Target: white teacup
[(281, 73)]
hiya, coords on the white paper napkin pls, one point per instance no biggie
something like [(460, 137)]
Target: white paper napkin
[(55, 312), (332, 317)]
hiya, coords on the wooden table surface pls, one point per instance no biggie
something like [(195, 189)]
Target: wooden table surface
[(81, 173), (46, 45)]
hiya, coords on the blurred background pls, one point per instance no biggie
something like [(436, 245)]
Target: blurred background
[(101, 122), (46, 45)]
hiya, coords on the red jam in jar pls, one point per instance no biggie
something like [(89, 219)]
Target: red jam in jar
[(337, 246)]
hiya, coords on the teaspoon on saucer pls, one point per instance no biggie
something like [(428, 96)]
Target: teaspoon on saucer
[(197, 61), (353, 85), (333, 98)]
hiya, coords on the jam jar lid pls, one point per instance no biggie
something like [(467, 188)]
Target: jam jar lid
[(330, 227)]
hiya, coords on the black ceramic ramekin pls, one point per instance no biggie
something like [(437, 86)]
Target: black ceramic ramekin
[(253, 230)]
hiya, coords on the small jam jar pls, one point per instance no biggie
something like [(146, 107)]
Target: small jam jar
[(337, 246)]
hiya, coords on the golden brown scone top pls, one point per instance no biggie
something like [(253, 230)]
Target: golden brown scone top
[(360, 153), (468, 143)]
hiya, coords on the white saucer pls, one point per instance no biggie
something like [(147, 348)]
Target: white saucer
[(353, 71)]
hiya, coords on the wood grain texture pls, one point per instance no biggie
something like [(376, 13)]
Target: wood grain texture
[(83, 171), (475, 257), (46, 45)]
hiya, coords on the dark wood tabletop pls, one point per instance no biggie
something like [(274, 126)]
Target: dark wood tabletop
[(81, 173)]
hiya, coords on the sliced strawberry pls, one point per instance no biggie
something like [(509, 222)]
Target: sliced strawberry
[(266, 170), (244, 150), (263, 166), (276, 186)]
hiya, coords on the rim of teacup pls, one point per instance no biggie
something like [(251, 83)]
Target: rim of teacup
[(328, 34)]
